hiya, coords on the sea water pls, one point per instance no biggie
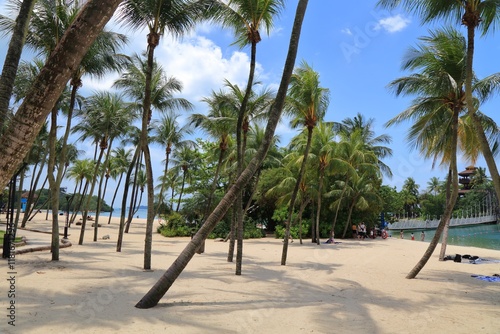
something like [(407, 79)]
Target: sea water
[(141, 212), (482, 235)]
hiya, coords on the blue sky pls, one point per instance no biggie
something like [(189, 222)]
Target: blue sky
[(356, 47)]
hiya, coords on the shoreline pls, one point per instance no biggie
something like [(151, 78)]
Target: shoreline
[(351, 287)]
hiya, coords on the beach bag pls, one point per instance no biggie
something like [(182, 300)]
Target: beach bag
[(458, 258)]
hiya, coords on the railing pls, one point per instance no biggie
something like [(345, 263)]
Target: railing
[(414, 224)]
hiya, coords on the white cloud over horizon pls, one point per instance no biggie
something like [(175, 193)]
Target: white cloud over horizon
[(393, 24)]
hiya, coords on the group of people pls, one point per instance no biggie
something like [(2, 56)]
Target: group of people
[(412, 236), (359, 231)]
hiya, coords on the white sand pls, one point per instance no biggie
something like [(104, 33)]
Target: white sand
[(352, 287)]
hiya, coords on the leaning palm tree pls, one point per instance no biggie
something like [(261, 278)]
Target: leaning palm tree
[(31, 114), (307, 104), (480, 15), (13, 56), (154, 295), (441, 99)]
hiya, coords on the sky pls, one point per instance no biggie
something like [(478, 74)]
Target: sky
[(356, 48)]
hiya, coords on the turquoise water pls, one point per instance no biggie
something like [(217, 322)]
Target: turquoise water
[(483, 236), (142, 213)]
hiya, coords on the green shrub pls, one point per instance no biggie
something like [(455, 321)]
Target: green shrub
[(175, 226), (279, 232)]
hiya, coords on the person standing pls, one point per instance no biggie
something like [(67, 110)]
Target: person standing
[(412, 236), (354, 231), (401, 234), (422, 236), (362, 228)]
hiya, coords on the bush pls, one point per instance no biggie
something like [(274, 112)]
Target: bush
[(175, 226), (279, 232)]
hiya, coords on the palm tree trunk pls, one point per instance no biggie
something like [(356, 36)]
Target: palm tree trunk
[(168, 278), (99, 190), (12, 58), (135, 192), (318, 209), (301, 211), (21, 132), (114, 197), (449, 205), (180, 193), (153, 40), (124, 200), (444, 240), (54, 187), (483, 141), (294, 197), (232, 235), (240, 158), (349, 215), (201, 250), (338, 206), (91, 192)]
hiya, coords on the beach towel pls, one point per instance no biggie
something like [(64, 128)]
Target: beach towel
[(487, 278)]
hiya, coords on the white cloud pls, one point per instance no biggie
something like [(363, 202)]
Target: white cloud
[(201, 65), (346, 31), (393, 23)]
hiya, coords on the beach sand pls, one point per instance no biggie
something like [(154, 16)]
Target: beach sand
[(350, 287)]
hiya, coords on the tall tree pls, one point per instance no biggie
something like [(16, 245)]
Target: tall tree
[(307, 104), (440, 90), (246, 17), (169, 134), (475, 15), (25, 125), (175, 17), (159, 289), (105, 117), (13, 56), (374, 143)]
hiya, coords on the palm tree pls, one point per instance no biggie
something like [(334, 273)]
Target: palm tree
[(82, 171), (474, 14), (436, 110), (13, 56), (307, 103), (175, 17), (220, 124), (186, 159), (105, 117), (169, 134), (352, 159), (434, 185), (372, 142), (323, 149), (118, 165), (246, 17), (159, 289)]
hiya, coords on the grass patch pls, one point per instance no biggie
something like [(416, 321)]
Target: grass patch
[(2, 233)]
